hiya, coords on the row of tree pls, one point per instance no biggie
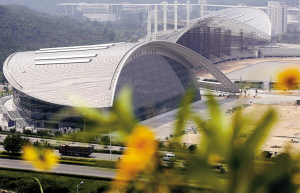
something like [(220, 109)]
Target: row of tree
[(14, 142)]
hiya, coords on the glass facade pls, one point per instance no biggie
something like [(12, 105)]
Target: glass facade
[(42, 114), (158, 84)]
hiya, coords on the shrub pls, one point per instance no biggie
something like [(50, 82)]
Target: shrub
[(102, 188), (42, 133), (105, 140), (172, 162), (175, 146), (48, 185), (283, 156), (192, 148), (12, 130), (266, 154), (27, 132), (161, 144), (13, 143)]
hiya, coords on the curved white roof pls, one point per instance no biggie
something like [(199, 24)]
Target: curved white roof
[(248, 15), (90, 72), (251, 20)]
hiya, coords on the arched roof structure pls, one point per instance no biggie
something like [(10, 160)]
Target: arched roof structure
[(225, 24), (252, 21), (91, 72), (251, 16)]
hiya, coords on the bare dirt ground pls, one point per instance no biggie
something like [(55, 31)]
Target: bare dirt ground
[(230, 66), (285, 134)]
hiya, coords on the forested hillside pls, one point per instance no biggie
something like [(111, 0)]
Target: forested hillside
[(24, 29)]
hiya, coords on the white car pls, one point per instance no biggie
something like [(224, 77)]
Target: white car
[(168, 156)]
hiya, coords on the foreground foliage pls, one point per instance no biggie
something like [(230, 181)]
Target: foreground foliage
[(221, 142)]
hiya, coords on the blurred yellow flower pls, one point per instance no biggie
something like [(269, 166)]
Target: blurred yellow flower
[(44, 160), (288, 79), (139, 154)]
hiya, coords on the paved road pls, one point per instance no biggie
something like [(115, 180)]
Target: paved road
[(62, 168)]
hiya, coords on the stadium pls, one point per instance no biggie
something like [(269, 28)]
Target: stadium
[(158, 71)]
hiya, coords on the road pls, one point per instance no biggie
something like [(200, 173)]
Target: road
[(62, 168)]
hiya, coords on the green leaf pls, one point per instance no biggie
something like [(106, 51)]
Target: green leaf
[(41, 188), (215, 112), (122, 109), (184, 112), (261, 131)]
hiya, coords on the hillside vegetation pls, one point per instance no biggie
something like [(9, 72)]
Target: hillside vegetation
[(23, 29)]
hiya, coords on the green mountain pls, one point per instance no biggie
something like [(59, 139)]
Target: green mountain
[(23, 29)]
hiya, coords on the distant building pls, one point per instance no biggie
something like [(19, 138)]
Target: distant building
[(97, 13), (277, 12)]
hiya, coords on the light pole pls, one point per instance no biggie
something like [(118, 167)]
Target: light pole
[(110, 142), (270, 86), (78, 185), (187, 137), (187, 141), (83, 127)]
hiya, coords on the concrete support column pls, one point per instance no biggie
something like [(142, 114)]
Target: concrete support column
[(155, 22), (202, 10), (175, 15), (149, 26), (66, 10), (165, 15), (188, 13)]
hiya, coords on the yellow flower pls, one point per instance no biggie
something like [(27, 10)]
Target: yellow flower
[(44, 160), (288, 79), (139, 154)]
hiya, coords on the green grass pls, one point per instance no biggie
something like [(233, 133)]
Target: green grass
[(5, 93), (248, 85), (13, 179)]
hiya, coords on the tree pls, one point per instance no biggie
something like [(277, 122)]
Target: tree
[(27, 132), (266, 154), (105, 140), (13, 143), (44, 145), (42, 133), (175, 146), (192, 148)]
